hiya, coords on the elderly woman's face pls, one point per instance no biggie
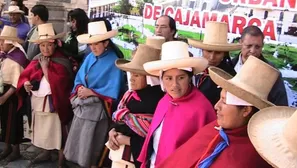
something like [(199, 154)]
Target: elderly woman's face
[(214, 57), (98, 48), (5, 47), (231, 116), (47, 48), (176, 82), (137, 81)]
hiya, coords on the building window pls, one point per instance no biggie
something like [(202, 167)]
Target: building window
[(295, 18), (251, 13), (265, 14), (281, 16)]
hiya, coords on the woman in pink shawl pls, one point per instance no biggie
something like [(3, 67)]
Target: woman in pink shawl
[(182, 111)]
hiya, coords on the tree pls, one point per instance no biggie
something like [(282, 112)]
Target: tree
[(116, 8), (125, 7), (140, 5)]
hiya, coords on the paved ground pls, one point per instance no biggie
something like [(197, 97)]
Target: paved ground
[(29, 152)]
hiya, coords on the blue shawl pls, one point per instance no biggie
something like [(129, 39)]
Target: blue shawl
[(100, 74)]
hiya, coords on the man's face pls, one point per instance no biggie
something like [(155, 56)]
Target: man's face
[(251, 45), (162, 28), (15, 17)]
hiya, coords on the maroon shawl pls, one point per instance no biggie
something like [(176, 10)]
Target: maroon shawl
[(60, 80), (240, 153)]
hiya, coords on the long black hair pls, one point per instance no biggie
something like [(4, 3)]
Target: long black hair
[(110, 44), (82, 20)]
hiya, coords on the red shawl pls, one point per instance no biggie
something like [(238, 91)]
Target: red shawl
[(240, 153), (60, 82)]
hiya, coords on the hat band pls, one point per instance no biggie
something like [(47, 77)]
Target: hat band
[(45, 36), (234, 100)]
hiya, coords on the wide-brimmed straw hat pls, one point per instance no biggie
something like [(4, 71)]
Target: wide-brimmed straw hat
[(155, 41), (46, 32), (272, 131), (143, 54), (215, 38), (97, 32), (175, 54), (252, 83), (13, 9), (10, 33)]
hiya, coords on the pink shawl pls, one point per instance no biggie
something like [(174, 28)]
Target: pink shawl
[(183, 117)]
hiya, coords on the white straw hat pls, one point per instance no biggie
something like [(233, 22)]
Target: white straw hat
[(272, 131), (175, 55), (97, 31)]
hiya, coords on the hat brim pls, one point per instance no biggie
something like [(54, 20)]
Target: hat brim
[(18, 40), (17, 11), (222, 79), (126, 65), (89, 39), (265, 130), (154, 67), (58, 36), (214, 47)]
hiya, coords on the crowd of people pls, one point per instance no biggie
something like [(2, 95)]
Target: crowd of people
[(181, 110)]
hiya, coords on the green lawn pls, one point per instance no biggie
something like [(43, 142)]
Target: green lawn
[(137, 35), (127, 53)]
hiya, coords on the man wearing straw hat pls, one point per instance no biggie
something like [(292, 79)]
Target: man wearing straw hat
[(15, 17), (13, 62), (215, 48), (252, 44)]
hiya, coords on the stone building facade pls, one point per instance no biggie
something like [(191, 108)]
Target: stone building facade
[(58, 10)]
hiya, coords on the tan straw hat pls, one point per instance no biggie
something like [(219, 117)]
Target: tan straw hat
[(13, 9), (175, 55), (155, 41), (46, 32), (10, 33), (252, 83), (215, 38), (96, 32), (144, 53), (272, 131)]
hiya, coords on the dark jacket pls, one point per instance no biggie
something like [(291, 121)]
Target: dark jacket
[(150, 97), (278, 94), (210, 90)]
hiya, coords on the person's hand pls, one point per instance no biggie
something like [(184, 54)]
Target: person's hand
[(28, 87), (2, 100), (84, 92), (123, 139), (112, 142), (44, 62)]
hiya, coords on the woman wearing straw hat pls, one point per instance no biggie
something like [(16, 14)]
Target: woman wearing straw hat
[(182, 111), (137, 106), (12, 62), (97, 84), (15, 17), (225, 141), (215, 49), (48, 79)]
